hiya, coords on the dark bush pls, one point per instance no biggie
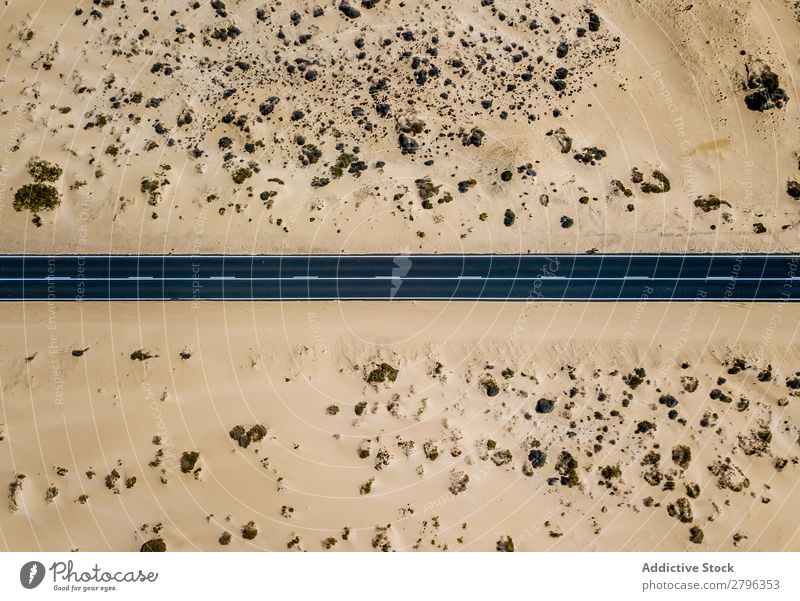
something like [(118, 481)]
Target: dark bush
[(36, 197), (249, 531), (382, 373), (154, 545), (188, 461), (44, 171)]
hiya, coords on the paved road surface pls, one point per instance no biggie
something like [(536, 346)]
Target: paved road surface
[(401, 277)]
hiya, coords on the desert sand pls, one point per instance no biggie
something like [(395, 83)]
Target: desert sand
[(329, 126), (654, 426), (398, 127)]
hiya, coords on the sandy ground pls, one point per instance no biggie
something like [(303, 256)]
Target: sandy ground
[(433, 461), (330, 126), (120, 94)]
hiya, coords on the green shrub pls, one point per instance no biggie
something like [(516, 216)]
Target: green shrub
[(567, 466), (650, 188), (505, 544), (44, 171), (36, 197), (610, 471), (426, 190), (343, 161), (249, 531), (257, 433), (382, 373), (241, 174), (155, 545), (188, 461)]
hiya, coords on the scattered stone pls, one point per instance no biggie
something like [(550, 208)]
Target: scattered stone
[(545, 405)]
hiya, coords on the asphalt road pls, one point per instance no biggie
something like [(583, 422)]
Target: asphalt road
[(400, 277)]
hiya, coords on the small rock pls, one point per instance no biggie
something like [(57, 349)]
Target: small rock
[(537, 458), (545, 406)]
